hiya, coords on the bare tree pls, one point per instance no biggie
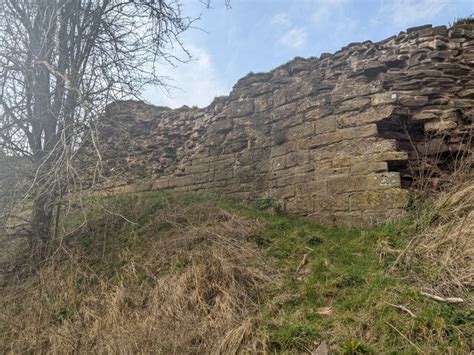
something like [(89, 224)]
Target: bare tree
[(61, 62)]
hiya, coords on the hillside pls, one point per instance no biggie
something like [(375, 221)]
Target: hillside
[(167, 272)]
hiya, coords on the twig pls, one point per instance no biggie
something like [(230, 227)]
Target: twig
[(404, 337), (442, 299), (302, 263), (119, 215), (401, 254), (403, 308)]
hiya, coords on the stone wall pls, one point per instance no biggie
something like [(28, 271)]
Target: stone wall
[(338, 138)]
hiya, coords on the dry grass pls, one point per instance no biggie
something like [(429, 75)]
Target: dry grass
[(444, 251), (190, 281)]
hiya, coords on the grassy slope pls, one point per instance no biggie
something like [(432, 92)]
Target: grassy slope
[(345, 292)]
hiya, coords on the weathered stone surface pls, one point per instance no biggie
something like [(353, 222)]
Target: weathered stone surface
[(327, 137), (373, 114), (386, 199)]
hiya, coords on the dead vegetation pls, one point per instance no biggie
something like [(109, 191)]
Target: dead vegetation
[(186, 280), (443, 253)]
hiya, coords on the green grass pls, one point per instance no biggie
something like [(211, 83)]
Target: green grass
[(469, 20), (346, 270)]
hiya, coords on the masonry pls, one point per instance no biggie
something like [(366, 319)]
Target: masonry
[(340, 138)]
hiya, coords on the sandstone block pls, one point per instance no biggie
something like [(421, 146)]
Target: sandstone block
[(440, 126), (199, 168), (284, 192), (240, 108), (278, 163), (348, 218), (377, 181), (330, 202), (391, 198), (263, 103), (373, 114), (384, 98), (301, 205), (312, 187), (355, 104), (326, 124), (300, 131), (160, 184), (413, 101), (223, 125), (291, 93), (297, 158)]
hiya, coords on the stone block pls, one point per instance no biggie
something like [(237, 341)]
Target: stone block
[(199, 168), (180, 181), (278, 163), (321, 140), (440, 126), (297, 158), (326, 124), (263, 103), (413, 101), (276, 174), (355, 104), (331, 202), (348, 218), (371, 115), (160, 184), (301, 130), (291, 93), (244, 174), (285, 181), (279, 150), (312, 187), (300, 205), (319, 112), (374, 181), (223, 125), (383, 199), (383, 180), (200, 178), (384, 98), (360, 132), (346, 183), (282, 192), (223, 174), (240, 108)]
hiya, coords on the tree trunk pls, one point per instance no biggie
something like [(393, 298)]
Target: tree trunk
[(42, 224)]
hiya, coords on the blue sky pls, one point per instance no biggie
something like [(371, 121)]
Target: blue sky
[(258, 35)]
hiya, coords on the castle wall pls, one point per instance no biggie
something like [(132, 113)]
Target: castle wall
[(339, 138)]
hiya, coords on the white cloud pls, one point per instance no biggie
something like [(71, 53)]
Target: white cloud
[(332, 18), (294, 38), (410, 12), (281, 19), (328, 10), (194, 83)]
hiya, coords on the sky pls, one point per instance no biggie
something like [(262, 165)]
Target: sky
[(259, 35)]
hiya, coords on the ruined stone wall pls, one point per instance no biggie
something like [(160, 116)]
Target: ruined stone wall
[(338, 138)]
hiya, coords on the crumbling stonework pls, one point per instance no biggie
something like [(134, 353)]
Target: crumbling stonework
[(338, 139)]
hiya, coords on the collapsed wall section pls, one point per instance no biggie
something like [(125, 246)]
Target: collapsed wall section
[(339, 139)]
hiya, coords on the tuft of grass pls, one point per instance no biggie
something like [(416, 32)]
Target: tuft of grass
[(461, 21), (442, 254)]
